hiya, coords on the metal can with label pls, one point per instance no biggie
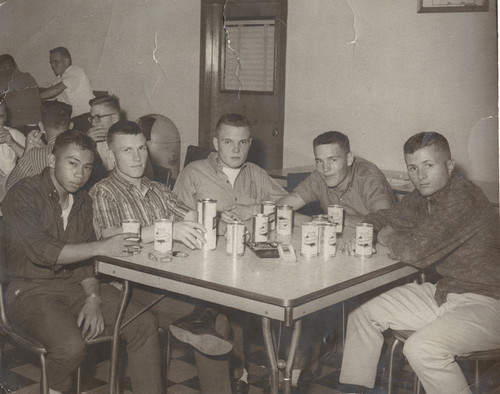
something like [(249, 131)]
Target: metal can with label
[(269, 209), (309, 246), (319, 218), (163, 239), (235, 239), (260, 228), (336, 215), (364, 240), (132, 226), (207, 216), (327, 237), (284, 220)]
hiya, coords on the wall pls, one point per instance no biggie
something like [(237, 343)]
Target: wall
[(145, 52), (380, 72)]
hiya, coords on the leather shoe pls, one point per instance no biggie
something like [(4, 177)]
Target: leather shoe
[(198, 330), (240, 387)]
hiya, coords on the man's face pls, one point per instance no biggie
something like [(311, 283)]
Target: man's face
[(429, 169), (130, 153), (103, 117), (59, 63), (72, 168), (232, 143), (332, 162), (3, 114)]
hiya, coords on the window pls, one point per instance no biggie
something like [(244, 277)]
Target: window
[(248, 57)]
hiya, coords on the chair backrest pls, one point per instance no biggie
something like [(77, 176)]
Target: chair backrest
[(194, 153), (292, 180), (162, 174), (4, 322)]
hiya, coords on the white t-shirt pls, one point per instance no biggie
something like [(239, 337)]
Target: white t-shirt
[(78, 90), (231, 173)]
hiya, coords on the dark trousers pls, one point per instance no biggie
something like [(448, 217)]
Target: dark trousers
[(49, 313)]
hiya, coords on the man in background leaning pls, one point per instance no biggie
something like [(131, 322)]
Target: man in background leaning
[(72, 86)]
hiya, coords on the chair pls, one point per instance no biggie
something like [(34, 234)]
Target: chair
[(194, 153), (162, 174), (34, 346), (400, 336), (293, 179)]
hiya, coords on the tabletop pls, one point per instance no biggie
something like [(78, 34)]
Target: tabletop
[(309, 283)]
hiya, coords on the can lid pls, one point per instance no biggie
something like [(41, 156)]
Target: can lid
[(207, 200)]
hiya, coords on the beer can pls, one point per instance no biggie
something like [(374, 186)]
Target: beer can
[(207, 216), (284, 220), (336, 215), (364, 240), (235, 239), (132, 226), (163, 238), (260, 228), (319, 218), (269, 209), (309, 245), (327, 237)]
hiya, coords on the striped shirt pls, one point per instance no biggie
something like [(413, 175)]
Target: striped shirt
[(116, 200), (31, 163)]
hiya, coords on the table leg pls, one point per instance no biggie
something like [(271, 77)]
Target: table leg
[(294, 344), (273, 364), (116, 338)]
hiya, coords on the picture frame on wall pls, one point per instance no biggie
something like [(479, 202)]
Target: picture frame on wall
[(427, 6)]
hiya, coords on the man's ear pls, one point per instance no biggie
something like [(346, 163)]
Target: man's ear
[(450, 165), (71, 125), (111, 156), (52, 160), (216, 143), (40, 126), (350, 159)]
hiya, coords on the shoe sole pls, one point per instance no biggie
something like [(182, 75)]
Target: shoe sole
[(205, 343)]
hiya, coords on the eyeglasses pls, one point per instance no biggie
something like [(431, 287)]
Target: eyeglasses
[(97, 118)]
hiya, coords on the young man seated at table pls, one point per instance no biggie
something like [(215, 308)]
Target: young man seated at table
[(342, 179), (52, 294), (128, 194), (446, 223), (239, 188)]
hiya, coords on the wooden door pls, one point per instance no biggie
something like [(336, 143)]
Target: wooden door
[(226, 82)]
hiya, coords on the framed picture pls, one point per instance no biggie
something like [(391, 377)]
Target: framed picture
[(452, 5)]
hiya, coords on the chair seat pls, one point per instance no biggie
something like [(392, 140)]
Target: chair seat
[(480, 356)]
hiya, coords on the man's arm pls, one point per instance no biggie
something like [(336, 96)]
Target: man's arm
[(53, 91), (90, 314), (185, 187), (292, 199)]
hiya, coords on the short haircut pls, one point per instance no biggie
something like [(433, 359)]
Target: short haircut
[(425, 139), (82, 140), (7, 60), (56, 115), (61, 51), (110, 101), (235, 120), (333, 137), (126, 127)]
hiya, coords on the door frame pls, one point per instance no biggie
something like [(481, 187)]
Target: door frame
[(210, 57)]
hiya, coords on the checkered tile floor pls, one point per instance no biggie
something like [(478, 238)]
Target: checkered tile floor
[(20, 370)]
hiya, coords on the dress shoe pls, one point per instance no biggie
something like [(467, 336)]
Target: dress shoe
[(240, 387), (198, 330)]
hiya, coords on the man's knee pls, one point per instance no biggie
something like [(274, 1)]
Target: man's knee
[(71, 350), (418, 350)]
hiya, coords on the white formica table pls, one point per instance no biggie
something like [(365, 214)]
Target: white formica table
[(265, 287)]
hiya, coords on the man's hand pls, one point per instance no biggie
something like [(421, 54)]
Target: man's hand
[(91, 317), (239, 212), (119, 245), (98, 134), (34, 140), (386, 235), (5, 137), (190, 234)]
